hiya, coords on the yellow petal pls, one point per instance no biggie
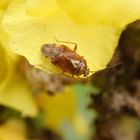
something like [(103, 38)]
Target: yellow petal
[(66, 113), (3, 36), (4, 4), (114, 12), (14, 91), (13, 129), (3, 66), (128, 127), (57, 108), (28, 33)]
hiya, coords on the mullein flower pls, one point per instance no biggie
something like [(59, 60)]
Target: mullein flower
[(4, 4), (67, 114), (95, 26), (13, 129), (14, 90)]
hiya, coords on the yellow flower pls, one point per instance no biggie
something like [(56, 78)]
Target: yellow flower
[(14, 90), (113, 13), (94, 25), (13, 129), (4, 4), (66, 113)]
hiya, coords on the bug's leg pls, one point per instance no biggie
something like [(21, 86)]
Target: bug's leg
[(53, 59), (62, 72), (75, 44), (75, 47), (72, 76), (45, 68), (78, 76), (86, 73)]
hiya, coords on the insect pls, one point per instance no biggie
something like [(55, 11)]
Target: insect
[(66, 59)]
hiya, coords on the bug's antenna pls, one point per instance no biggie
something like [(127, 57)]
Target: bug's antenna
[(55, 38), (110, 66), (50, 70), (115, 65), (44, 68)]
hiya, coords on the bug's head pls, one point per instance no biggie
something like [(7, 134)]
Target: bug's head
[(83, 67), (80, 67)]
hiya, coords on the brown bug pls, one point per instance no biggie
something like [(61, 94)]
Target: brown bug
[(66, 59)]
